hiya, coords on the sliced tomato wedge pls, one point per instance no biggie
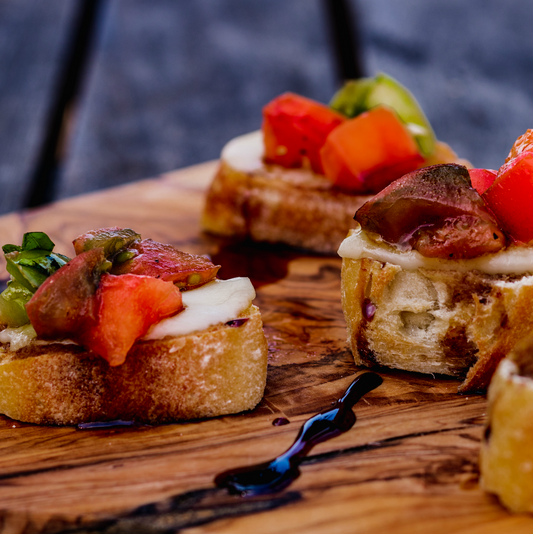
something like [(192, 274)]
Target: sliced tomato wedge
[(65, 303), (167, 263), (367, 153), (510, 197), (129, 305), (482, 179), (294, 130), (435, 211)]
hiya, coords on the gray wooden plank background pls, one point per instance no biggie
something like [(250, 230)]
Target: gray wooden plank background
[(171, 82), (33, 39), (470, 64), (168, 83)]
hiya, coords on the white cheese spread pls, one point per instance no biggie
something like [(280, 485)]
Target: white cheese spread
[(245, 152), (513, 260), (217, 302)]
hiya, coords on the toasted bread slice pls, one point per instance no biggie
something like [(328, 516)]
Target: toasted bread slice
[(248, 199), (506, 461), (216, 371), (452, 321)]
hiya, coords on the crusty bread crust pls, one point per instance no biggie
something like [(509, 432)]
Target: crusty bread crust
[(217, 371), (297, 208), (506, 461), (291, 206), (434, 321)]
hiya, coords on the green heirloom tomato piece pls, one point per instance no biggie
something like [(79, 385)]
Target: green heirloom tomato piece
[(112, 240), (388, 91), (361, 95), (12, 305), (350, 100)]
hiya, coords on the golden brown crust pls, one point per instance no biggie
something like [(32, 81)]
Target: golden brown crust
[(295, 207), (434, 321), (506, 460), (221, 370), (266, 205)]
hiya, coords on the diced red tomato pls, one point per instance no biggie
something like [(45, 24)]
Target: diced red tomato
[(524, 143), (510, 197), (482, 179), (65, 303), (434, 211), (295, 128), (167, 263), (129, 305), (367, 153)]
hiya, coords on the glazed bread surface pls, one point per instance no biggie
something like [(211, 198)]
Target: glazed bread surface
[(217, 371), (249, 199), (506, 461)]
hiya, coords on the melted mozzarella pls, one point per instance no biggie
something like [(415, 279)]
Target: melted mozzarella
[(513, 260), (217, 302), (18, 337), (245, 152)]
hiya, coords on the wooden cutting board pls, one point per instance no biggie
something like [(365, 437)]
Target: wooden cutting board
[(408, 465)]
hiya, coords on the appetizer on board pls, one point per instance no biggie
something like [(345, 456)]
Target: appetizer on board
[(438, 275), (128, 329), (300, 179)]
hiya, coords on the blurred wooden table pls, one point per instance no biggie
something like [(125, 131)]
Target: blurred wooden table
[(408, 465)]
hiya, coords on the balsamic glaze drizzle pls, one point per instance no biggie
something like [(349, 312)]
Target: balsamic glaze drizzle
[(274, 476), (104, 424)]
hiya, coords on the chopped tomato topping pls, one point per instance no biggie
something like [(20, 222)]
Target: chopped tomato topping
[(482, 179), (365, 154), (65, 303), (524, 143), (167, 263), (129, 305), (435, 211), (510, 197), (295, 128)]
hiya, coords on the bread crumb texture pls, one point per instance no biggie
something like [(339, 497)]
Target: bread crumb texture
[(218, 371), (434, 321)]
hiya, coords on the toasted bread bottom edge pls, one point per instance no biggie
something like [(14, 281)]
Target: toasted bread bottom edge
[(219, 371)]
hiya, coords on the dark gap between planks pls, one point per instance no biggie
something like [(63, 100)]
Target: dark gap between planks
[(341, 19), (343, 22), (78, 47)]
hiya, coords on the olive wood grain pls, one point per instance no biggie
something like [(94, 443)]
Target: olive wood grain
[(408, 465)]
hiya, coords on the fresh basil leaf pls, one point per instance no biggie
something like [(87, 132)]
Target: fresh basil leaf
[(37, 240), (10, 248), (32, 267)]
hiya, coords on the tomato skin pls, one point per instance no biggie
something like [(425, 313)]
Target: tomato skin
[(435, 211), (510, 197), (128, 305), (167, 263), (65, 303), (367, 153), (482, 179), (295, 128)]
